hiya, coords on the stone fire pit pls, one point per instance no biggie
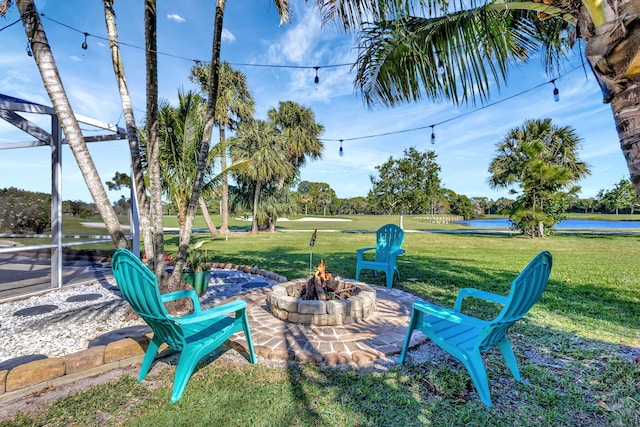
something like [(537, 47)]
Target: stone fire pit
[(287, 306)]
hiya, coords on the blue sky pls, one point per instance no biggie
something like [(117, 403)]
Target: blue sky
[(465, 144)]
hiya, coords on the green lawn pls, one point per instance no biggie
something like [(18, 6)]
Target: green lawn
[(576, 348)]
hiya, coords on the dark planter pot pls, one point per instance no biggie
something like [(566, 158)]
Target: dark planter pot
[(199, 281)]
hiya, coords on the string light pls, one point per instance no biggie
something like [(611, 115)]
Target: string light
[(29, 52), (440, 65)]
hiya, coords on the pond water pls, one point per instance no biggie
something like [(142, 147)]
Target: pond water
[(565, 224)]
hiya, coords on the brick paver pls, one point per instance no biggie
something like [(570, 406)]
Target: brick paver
[(380, 335)]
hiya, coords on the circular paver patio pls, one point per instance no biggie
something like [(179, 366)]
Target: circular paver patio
[(380, 335)]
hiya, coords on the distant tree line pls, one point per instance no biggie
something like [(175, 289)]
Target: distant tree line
[(26, 212)]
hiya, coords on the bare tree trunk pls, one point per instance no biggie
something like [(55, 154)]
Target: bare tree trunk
[(137, 176), (185, 234), (207, 217), (256, 199), (153, 148), (53, 84), (224, 199), (626, 114)]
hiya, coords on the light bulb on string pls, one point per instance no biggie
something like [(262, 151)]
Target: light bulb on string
[(433, 135), (317, 79), (440, 64), (84, 43), (556, 92), (341, 152), (29, 51)]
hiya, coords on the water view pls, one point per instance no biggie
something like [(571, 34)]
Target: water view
[(564, 224)]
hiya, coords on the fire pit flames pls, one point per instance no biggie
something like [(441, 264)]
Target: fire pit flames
[(324, 287), (322, 300)]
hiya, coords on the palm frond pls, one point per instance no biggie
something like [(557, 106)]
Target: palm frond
[(455, 57)]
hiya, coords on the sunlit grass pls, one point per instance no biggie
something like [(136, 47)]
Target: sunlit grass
[(576, 347)]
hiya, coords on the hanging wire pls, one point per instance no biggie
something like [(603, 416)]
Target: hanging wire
[(10, 25), (317, 80), (515, 95)]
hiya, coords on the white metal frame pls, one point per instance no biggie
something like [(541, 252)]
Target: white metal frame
[(10, 109)]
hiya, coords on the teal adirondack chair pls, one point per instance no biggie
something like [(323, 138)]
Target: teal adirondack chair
[(194, 335), (388, 241), (466, 337)]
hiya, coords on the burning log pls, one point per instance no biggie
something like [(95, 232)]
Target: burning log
[(323, 286)]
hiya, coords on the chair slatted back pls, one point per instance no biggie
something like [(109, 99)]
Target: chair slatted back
[(139, 286), (389, 238), (526, 290)]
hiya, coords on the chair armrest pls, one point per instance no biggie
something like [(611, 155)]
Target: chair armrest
[(212, 313), (361, 250), (184, 293), (397, 252), (477, 293), (447, 314)]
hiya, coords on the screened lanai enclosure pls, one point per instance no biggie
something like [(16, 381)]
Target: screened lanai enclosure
[(36, 262)]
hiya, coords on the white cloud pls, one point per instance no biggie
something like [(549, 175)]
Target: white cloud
[(297, 44), (176, 17), (227, 35), (75, 58)]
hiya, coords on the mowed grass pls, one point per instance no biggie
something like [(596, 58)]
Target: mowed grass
[(576, 348)]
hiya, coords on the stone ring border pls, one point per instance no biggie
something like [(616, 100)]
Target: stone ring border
[(322, 313)]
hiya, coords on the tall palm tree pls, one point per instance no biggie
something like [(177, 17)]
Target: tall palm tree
[(457, 51), (542, 159), (53, 84), (234, 103), (137, 175), (264, 147), (300, 130), (152, 146)]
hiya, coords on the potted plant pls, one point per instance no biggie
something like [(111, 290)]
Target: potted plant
[(197, 272)]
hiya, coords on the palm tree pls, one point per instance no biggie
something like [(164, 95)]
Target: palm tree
[(264, 147), (137, 173), (234, 103), (300, 130), (53, 84), (456, 53), (152, 145), (542, 160), (180, 135)]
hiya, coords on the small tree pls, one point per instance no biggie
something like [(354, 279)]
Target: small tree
[(621, 196), (410, 184), (542, 160)]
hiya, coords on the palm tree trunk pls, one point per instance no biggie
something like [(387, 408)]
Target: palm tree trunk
[(624, 106), (137, 177), (153, 149), (53, 84), (224, 199), (207, 217), (256, 199), (185, 234)]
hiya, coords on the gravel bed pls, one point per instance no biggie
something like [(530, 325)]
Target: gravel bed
[(64, 321)]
